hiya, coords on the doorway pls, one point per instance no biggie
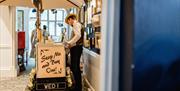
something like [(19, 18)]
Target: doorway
[(53, 19)]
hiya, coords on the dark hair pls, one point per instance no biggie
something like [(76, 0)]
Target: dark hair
[(44, 27), (72, 17)]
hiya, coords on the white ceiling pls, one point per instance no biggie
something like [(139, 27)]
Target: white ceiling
[(47, 4)]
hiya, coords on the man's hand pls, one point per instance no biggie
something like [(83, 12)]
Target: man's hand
[(67, 45)]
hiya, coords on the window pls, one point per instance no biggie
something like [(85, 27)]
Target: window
[(52, 19)]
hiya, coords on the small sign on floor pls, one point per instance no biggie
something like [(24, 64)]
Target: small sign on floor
[(51, 73)]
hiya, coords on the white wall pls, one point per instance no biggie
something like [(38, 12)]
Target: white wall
[(110, 62), (8, 63)]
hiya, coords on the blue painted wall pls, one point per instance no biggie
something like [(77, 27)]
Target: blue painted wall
[(156, 45)]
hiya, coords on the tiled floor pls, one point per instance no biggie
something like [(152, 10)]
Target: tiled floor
[(19, 83)]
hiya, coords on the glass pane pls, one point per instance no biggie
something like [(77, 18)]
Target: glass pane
[(60, 15), (20, 20), (51, 15), (52, 28), (32, 14), (44, 15), (59, 27), (71, 11)]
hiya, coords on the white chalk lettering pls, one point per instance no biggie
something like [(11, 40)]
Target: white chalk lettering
[(46, 86), (51, 85)]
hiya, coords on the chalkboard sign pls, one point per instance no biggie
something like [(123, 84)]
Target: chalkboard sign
[(50, 61)]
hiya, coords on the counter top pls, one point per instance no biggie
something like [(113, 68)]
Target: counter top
[(91, 52)]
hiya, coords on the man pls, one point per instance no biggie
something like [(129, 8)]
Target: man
[(45, 33), (33, 43), (75, 45)]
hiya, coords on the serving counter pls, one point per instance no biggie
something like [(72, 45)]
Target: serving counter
[(91, 70)]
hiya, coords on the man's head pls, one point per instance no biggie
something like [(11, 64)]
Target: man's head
[(70, 19), (44, 27)]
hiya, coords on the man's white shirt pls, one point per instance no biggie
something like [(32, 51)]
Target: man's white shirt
[(76, 29)]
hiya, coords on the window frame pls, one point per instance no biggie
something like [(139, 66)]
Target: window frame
[(55, 21)]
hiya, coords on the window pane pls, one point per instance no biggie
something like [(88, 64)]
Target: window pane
[(20, 20), (51, 15), (65, 14), (32, 14), (52, 28), (59, 27), (60, 15), (44, 15)]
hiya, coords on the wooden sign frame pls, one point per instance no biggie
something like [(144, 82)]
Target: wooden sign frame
[(51, 62)]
